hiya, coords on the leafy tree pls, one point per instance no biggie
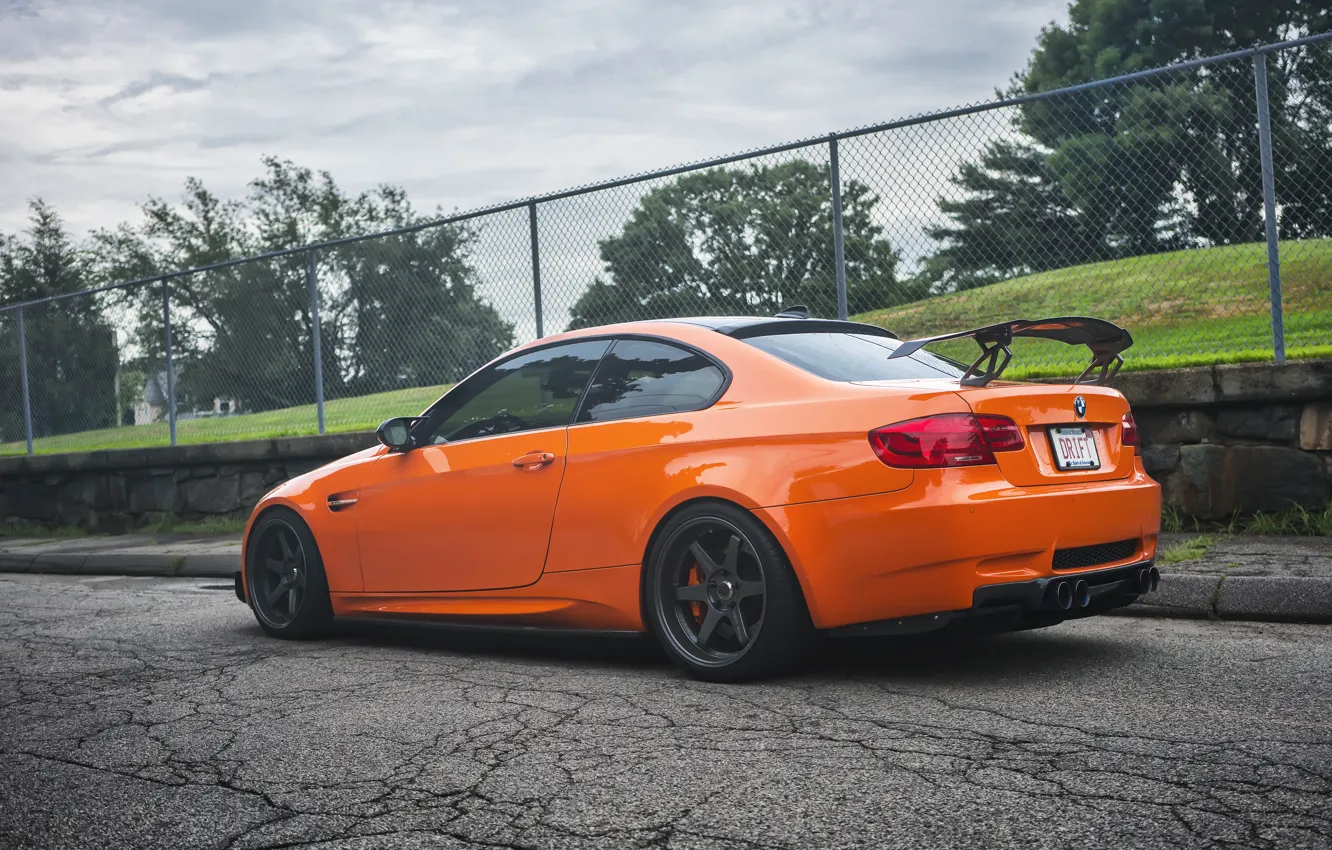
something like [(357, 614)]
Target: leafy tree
[(1013, 220), (71, 351), (400, 311), (1193, 129), (740, 241), (410, 313), (1152, 165)]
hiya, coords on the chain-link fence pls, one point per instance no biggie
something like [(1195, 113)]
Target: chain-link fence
[(1191, 204)]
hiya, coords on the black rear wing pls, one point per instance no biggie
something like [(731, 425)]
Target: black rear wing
[(1105, 340)]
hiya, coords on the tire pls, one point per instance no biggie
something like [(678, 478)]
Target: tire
[(284, 578), (721, 597)]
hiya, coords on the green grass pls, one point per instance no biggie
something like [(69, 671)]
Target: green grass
[(211, 525), (1192, 549), (1173, 520), (1185, 308), (363, 413), (17, 528), (1294, 520)]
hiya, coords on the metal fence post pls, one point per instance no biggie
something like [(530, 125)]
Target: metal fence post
[(536, 266), (23, 380), (839, 246), (312, 280), (170, 371), (1269, 205)]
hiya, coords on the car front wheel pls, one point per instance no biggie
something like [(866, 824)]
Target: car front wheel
[(284, 577)]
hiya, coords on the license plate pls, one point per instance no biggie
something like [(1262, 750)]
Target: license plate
[(1074, 448)]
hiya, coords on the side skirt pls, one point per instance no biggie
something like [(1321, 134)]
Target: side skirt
[(605, 599), (491, 628)]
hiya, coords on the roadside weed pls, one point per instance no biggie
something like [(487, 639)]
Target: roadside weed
[(1192, 549), (1296, 519)]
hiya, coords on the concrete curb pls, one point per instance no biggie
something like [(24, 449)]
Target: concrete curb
[(111, 563), (1276, 599), (1273, 599)]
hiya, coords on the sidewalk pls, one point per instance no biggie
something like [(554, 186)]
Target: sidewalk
[(128, 554), (1283, 579)]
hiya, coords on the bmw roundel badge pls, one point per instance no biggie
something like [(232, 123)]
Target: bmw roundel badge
[(1080, 406)]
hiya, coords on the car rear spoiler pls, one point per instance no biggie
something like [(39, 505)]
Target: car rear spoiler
[(1106, 341)]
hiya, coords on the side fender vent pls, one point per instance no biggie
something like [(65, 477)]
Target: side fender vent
[(341, 501)]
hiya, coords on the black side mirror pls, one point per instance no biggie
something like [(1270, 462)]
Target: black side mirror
[(396, 433)]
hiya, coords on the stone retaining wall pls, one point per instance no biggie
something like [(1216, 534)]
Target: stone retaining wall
[(1248, 437), (116, 491), (1220, 439)]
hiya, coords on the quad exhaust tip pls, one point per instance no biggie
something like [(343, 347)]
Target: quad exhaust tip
[(1081, 593), (1149, 579), (1063, 595), (1067, 594)]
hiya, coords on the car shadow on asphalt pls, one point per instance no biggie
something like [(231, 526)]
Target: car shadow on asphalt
[(1055, 653), (508, 644), (960, 658)]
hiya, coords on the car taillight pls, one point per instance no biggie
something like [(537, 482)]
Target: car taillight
[(1129, 433), (948, 439)]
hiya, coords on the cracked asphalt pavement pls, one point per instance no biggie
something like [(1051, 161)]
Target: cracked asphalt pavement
[(146, 712)]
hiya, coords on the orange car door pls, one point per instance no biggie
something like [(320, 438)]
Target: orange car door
[(470, 508), (461, 517)]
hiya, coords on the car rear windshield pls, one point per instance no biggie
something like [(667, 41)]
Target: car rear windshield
[(842, 356)]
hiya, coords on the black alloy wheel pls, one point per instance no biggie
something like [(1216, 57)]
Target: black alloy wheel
[(285, 579), (722, 597), (279, 581)]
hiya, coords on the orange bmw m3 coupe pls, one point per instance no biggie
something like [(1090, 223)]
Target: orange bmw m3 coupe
[(731, 485)]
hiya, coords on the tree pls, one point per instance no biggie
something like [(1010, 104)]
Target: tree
[(1153, 165), (1190, 134), (1013, 220), (399, 311), (741, 241), (71, 351)]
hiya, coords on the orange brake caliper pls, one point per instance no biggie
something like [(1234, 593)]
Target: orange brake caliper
[(696, 608)]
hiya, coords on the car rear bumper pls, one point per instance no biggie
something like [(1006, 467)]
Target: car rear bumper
[(931, 547), (1019, 603)]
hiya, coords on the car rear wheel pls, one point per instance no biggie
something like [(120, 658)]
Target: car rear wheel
[(284, 578), (721, 595)]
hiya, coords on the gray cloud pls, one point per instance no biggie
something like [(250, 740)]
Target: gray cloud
[(466, 103), (156, 81)]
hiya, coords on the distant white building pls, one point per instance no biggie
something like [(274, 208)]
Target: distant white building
[(153, 406)]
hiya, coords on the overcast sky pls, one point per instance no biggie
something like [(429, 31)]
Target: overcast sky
[(465, 103)]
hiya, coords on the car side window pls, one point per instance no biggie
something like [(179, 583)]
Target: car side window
[(643, 378), (540, 389)]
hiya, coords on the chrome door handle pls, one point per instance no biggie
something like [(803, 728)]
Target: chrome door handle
[(534, 460)]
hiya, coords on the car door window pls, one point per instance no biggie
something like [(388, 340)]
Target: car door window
[(643, 378), (540, 389)]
